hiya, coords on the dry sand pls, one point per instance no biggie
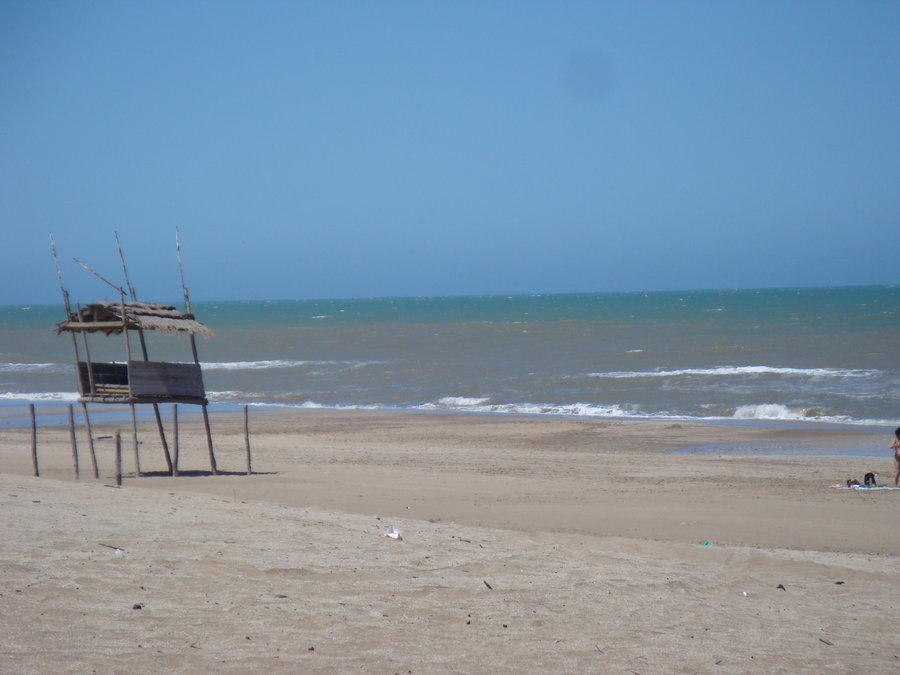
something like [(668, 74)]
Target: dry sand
[(586, 531)]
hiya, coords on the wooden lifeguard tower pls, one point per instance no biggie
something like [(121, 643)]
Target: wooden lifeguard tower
[(135, 380)]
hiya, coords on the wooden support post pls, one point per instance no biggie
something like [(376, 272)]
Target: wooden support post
[(187, 307), (209, 445), (159, 424), (87, 357), (162, 437), (247, 438), (34, 459), (90, 437), (73, 441), (118, 459), (175, 449), (133, 294), (134, 436)]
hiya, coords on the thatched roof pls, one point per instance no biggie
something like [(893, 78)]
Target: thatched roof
[(106, 316)]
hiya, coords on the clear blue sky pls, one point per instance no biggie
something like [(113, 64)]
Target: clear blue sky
[(331, 149)]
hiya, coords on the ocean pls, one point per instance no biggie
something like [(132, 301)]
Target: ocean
[(803, 355)]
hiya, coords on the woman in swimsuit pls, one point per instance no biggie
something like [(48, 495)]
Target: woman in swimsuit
[(895, 446)]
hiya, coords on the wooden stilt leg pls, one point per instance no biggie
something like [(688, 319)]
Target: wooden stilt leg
[(134, 437), (118, 458), (34, 458), (90, 438), (162, 437), (175, 449), (209, 443), (73, 441), (247, 438)]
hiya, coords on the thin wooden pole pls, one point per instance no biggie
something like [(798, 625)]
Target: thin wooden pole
[(90, 437), (134, 437), (209, 442), (175, 439), (162, 437), (67, 307), (87, 356), (127, 341), (143, 341), (73, 441), (247, 438), (187, 307), (118, 458), (34, 458)]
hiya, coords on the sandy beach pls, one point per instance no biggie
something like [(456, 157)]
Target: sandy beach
[(528, 543)]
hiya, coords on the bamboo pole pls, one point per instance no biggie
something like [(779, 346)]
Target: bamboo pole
[(143, 341), (73, 441), (247, 438), (175, 448), (159, 424), (118, 459), (162, 437), (34, 457), (90, 437), (87, 357), (187, 307), (134, 438), (209, 442)]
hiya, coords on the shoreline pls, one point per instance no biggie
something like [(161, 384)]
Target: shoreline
[(15, 416)]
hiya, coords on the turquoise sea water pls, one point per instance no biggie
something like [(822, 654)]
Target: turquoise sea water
[(825, 355)]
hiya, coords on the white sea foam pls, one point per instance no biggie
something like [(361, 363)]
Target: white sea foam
[(39, 396), (313, 405), (772, 411), (568, 409), (777, 411), (462, 401), (9, 367), (764, 411), (740, 370), (277, 363)]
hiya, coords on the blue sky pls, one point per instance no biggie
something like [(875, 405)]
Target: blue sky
[(334, 149)]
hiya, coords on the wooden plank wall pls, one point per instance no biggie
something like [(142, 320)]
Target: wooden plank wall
[(104, 373), (158, 379)]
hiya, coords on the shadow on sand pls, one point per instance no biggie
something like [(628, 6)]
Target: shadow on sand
[(193, 473)]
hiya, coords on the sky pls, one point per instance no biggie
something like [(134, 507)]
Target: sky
[(362, 149)]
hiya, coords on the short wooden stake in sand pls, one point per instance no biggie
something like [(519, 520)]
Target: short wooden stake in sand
[(90, 437), (175, 439), (34, 459), (134, 438), (247, 438), (118, 458), (73, 441)]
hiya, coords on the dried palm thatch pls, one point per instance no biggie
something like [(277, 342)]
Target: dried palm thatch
[(105, 316)]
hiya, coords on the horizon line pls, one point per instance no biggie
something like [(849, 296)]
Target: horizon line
[(493, 295)]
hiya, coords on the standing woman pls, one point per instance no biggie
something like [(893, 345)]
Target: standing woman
[(895, 446)]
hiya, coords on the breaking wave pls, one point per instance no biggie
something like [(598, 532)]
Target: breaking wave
[(9, 367), (462, 401), (741, 370), (278, 363), (39, 396), (762, 411)]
